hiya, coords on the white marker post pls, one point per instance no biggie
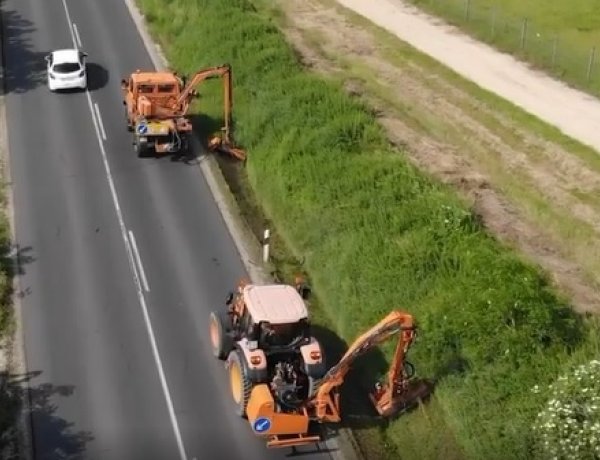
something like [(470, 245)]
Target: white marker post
[(266, 236)]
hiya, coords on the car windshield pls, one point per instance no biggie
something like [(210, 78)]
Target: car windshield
[(66, 67)]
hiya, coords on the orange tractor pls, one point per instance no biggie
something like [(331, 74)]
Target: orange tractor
[(156, 107), (264, 335), (282, 388)]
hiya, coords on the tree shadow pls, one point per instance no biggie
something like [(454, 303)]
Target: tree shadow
[(53, 437), (24, 67), (356, 408)]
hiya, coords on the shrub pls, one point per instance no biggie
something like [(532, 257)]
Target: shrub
[(569, 425)]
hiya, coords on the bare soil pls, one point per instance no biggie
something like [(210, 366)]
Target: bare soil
[(463, 141)]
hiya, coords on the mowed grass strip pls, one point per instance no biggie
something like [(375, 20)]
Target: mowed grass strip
[(377, 234), (559, 36)]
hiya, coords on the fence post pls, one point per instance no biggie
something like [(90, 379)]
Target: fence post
[(554, 50), (591, 63), (267, 234), (467, 10), (524, 33)]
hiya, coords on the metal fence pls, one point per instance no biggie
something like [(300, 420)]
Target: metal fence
[(558, 54)]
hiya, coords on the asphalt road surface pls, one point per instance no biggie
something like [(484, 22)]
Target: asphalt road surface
[(123, 258)]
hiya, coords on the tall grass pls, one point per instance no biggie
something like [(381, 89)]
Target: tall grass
[(377, 234)]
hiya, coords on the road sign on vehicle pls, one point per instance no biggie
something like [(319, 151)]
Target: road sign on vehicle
[(142, 128), (262, 425)]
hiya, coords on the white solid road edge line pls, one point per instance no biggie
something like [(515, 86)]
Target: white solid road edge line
[(76, 32), (99, 117), (138, 259), (142, 300), (128, 250)]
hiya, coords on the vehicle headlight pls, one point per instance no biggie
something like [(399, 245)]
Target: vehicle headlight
[(82, 73), (52, 76)]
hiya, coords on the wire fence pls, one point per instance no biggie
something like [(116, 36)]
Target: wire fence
[(558, 54)]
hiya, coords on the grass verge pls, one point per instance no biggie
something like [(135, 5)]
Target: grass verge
[(560, 37), (374, 233)]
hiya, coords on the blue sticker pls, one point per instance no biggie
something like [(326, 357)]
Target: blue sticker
[(262, 425), (142, 128)]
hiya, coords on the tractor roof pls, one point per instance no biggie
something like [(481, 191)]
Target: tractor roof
[(276, 304), (154, 77)]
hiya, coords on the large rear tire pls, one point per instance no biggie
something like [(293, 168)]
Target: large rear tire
[(221, 341), (141, 148), (239, 382)]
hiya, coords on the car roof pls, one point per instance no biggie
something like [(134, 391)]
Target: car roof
[(276, 304), (65, 55)]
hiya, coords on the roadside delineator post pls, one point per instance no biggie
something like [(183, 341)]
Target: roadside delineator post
[(266, 238)]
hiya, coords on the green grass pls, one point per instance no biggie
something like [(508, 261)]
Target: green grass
[(377, 234), (559, 35)]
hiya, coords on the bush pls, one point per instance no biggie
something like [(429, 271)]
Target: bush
[(569, 426)]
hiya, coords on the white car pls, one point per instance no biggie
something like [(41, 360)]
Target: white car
[(66, 69)]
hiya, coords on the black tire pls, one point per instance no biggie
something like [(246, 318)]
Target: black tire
[(185, 144), (141, 148), (239, 382), (220, 339), (127, 122)]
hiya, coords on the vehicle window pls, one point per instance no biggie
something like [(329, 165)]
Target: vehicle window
[(166, 88), (145, 89), (66, 67)]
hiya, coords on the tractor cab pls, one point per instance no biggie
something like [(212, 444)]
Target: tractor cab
[(274, 316), (152, 93), (153, 84)]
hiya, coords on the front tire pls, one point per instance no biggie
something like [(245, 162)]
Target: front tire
[(221, 341)]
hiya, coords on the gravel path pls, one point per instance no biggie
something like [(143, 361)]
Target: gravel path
[(575, 113)]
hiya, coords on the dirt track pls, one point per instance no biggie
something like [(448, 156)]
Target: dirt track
[(575, 113)]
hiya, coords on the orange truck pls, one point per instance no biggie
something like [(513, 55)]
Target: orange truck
[(156, 108), (277, 371)]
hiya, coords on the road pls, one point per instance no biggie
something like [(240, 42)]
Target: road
[(574, 112), (115, 327)]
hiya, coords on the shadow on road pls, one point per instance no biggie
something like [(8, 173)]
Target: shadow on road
[(24, 66), (98, 76), (54, 437)]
